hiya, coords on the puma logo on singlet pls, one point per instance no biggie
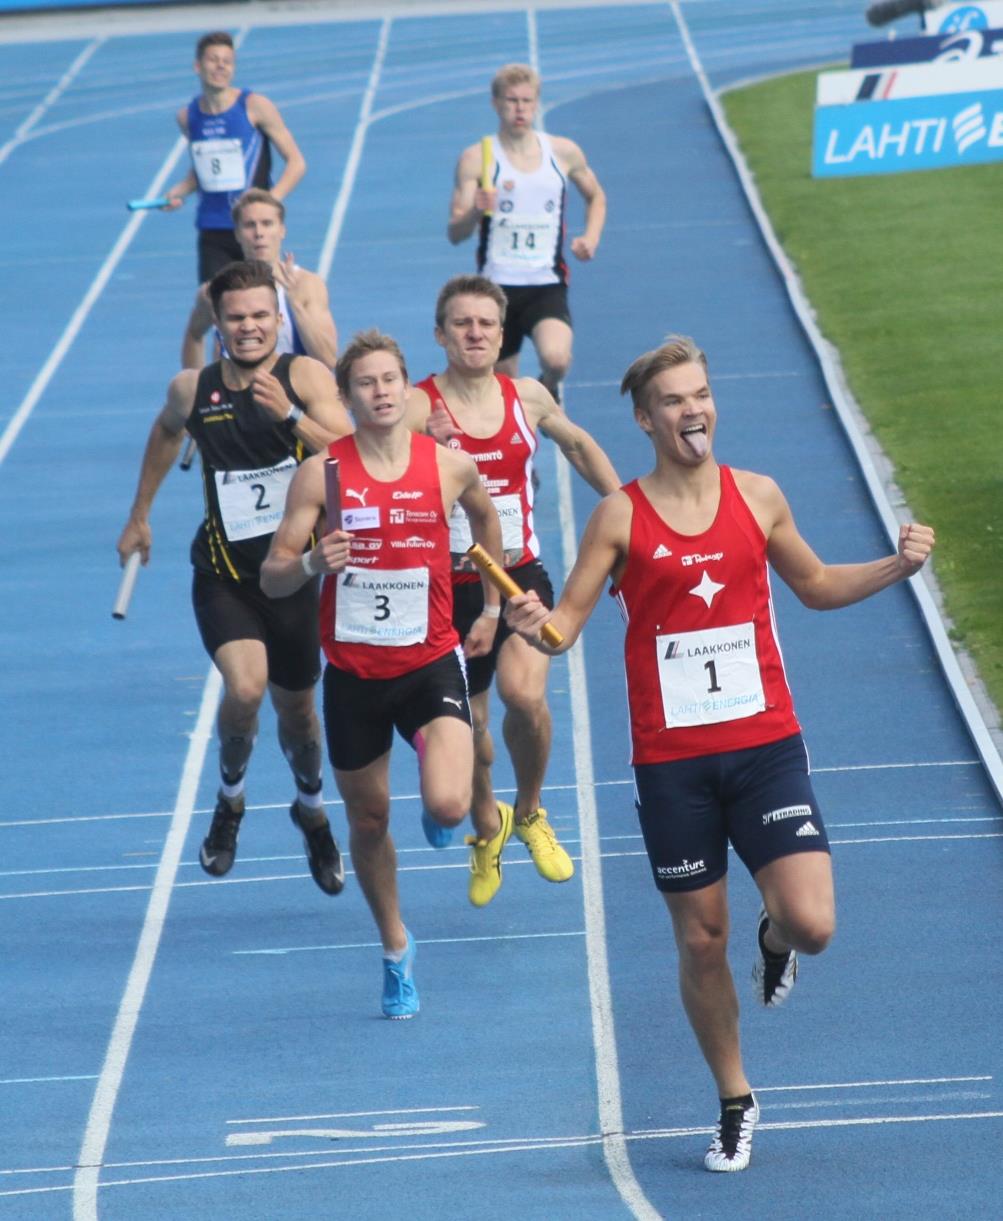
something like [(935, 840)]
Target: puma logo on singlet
[(359, 496)]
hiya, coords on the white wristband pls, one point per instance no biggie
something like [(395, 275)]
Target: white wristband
[(491, 612), (306, 559), (294, 415)]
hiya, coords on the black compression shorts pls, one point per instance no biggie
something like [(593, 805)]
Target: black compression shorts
[(289, 627), (468, 602), (529, 304)]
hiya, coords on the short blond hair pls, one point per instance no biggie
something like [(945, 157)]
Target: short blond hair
[(674, 350), (257, 195), (365, 343), (514, 74)]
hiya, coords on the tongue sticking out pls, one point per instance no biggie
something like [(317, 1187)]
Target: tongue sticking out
[(697, 441)]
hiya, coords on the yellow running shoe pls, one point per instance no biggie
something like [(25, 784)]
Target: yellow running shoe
[(485, 859), (550, 859)]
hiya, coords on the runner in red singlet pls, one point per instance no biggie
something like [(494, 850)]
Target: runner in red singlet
[(717, 750), (394, 658), (495, 420)]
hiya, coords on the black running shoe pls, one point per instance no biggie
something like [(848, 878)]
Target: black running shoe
[(326, 866), (731, 1147), (773, 975), (219, 848)]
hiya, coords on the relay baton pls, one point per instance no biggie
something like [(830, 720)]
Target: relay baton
[(487, 161), (188, 457), (332, 494), (141, 205), (500, 579), (126, 586)]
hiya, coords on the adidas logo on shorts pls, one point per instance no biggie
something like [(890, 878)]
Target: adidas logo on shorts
[(806, 829), (661, 552)]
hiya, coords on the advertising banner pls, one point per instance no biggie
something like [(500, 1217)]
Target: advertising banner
[(929, 48), (950, 18), (916, 117)]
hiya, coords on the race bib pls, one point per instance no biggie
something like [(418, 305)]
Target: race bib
[(709, 676), (384, 607), (219, 164), (524, 240), (251, 503), (509, 510)]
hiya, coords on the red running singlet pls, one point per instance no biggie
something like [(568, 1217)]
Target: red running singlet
[(704, 670), (391, 610), (505, 465)]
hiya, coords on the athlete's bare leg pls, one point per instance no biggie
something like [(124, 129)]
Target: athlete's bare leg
[(798, 893), (446, 769), (700, 923), (243, 665), (521, 679), (366, 793), (483, 805), (552, 339)]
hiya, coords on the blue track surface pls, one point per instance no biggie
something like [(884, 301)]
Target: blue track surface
[(258, 1081)]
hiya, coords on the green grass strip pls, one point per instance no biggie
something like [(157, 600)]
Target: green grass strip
[(905, 272)]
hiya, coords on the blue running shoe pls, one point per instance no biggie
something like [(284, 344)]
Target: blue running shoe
[(437, 836), (400, 996)]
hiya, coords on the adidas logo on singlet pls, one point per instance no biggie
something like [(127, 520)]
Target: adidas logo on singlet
[(515, 439), (806, 829), (661, 552)]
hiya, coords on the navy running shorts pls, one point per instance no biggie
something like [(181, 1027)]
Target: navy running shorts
[(529, 304), (216, 248), (760, 800), (289, 628), (361, 714), (468, 602)]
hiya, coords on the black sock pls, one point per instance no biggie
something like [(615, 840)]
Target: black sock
[(743, 1100), (772, 954)]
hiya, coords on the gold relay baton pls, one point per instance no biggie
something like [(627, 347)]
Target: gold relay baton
[(500, 579)]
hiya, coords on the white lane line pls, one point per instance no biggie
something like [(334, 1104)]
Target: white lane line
[(868, 1085), (47, 1080), (354, 155), (353, 1114), (850, 415), (548, 788), (347, 1159), (600, 995), (85, 1181), (50, 99), (369, 945), (73, 327)]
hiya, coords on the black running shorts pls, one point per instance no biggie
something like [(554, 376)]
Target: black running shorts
[(289, 628), (361, 714), (761, 800), (216, 248), (529, 304), (468, 602)]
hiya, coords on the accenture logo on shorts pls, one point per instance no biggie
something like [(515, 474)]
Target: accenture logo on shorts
[(407, 495), (688, 869), (786, 812)]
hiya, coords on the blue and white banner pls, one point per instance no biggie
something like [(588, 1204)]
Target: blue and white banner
[(950, 18), (908, 81), (931, 48), (913, 133)]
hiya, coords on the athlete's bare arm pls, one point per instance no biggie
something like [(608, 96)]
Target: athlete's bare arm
[(818, 585), (469, 201), (325, 418), (283, 571), (602, 554), (308, 300), (264, 114), (196, 329), (162, 448), (420, 417), (579, 447), (581, 174)]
